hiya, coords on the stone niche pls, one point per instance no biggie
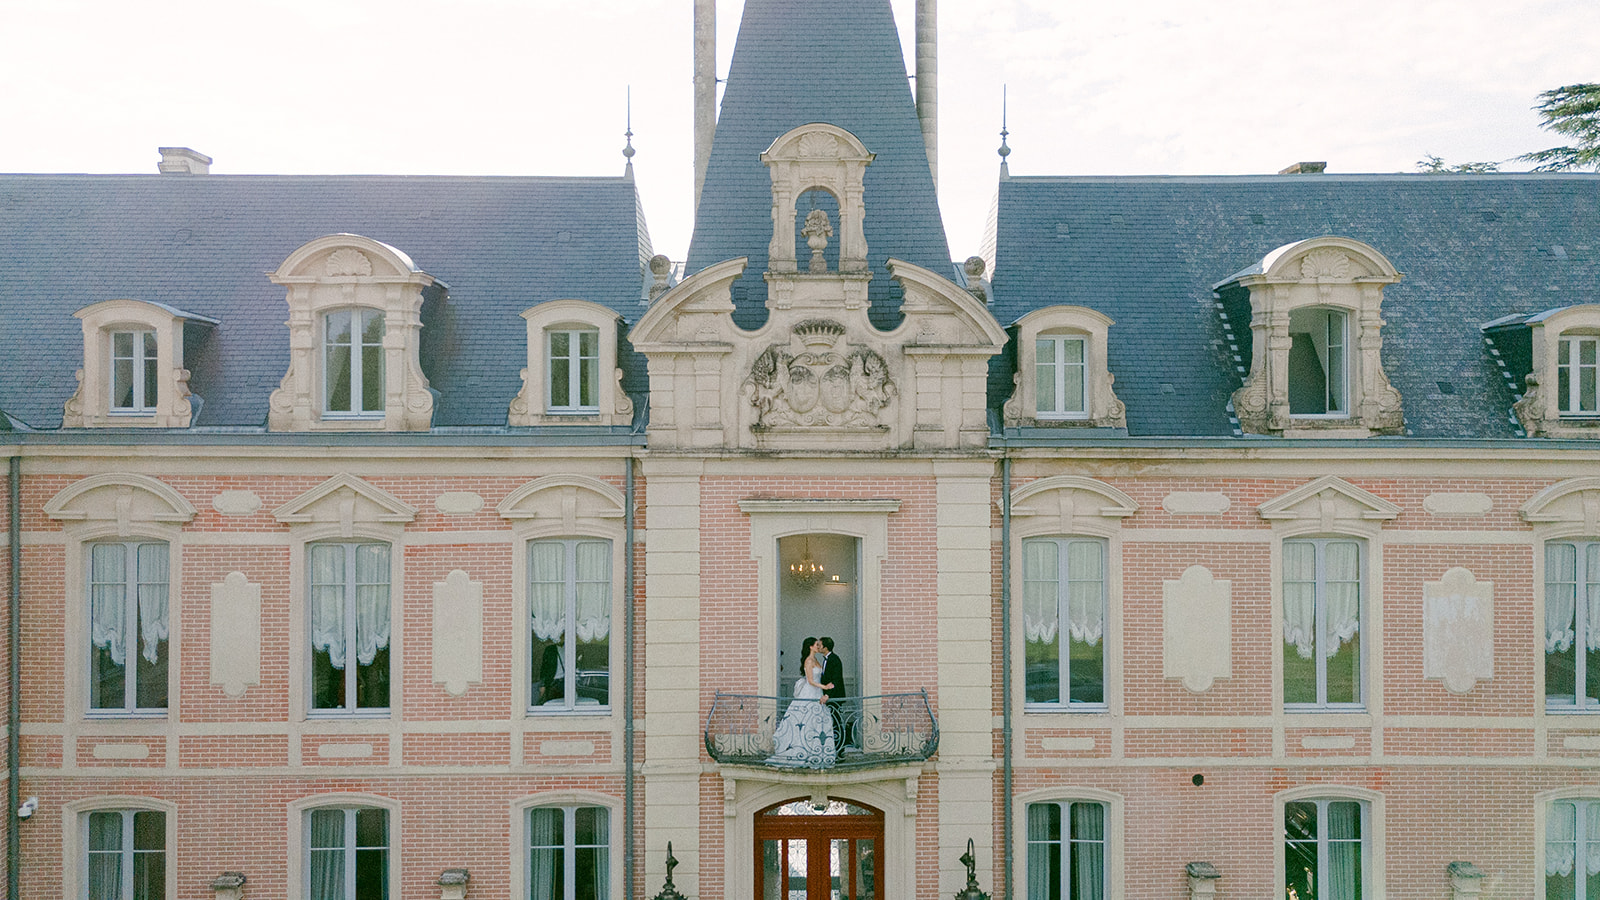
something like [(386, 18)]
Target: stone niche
[(818, 375)]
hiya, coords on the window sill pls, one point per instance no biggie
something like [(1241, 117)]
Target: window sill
[(125, 714), (1056, 709), (1566, 710), (563, 711), (1313, 716), (339, 715)]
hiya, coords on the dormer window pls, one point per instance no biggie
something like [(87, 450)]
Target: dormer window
[(1062, 378), (574, 370), (1317, 364), (353, 362), (133, 372), (1576, 371), (1561, 398)]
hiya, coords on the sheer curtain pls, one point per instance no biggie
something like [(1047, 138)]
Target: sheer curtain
[(1592, 568), (327, 854), (1088, 851), (1342, 591), (326, 562), (547, 601), (105, 856), (1044, 848), (108, 597), (152, 561), (1561, 597), (594, 590), (1041, 608), (1344, 850), (1341, 595), (1086, 614), (1300, 597), (328, 591), (545, 849), (372, 601)]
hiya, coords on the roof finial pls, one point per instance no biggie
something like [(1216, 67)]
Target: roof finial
[(1004, 150), (628, 151)]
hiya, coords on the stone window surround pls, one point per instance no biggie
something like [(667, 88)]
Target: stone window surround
[(1115, 817), (298, 837), (1539, 408), (1070, 506), (1332, 272), (1102, 408), (518, 861), (1566, 510), (118, 506), (90, 405), (531, 406), (1541, 823), (564, 506), (344, 271), (75, 837), (1372, 835)]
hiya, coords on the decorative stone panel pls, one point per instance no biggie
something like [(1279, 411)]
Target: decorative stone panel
[(1458, 630), (235, 634), (1197, 638), (457, 633)]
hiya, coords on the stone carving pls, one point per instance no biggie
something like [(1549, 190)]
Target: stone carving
[(458, 503), (816, 232), (1458, 630), (73, 415), (818, 145), (236, 503), (235, 634), (1196, 503), (817, 379), (977, 285), (1529, 409), (1252, 405), (347, 262), (1465, 504), (1325, 263), (1197, 639), (660, 276)]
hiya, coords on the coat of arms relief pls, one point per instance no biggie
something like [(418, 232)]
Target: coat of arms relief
[(819, 379)]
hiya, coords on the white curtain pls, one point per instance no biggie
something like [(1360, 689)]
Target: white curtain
[(1344, 850), (372, 601), (105, 855), (1342, 592), (1591, 824), (152, 569), (594, 590), (1086, 613), (1300, 597), (329, 583), (327, 854), (545, 850), (1341, 595), (547, 601), (327, 600), (1592, 567), (1560, 597), (108, 597), (1041, 608), (1088, 851)]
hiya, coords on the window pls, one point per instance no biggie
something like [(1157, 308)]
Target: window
[(126, 853), (569, 618), (1061, 370), (1572, 625), (1324, 849), (1572, 850), (574, 371), (1066, 851), (569, 853), (1322, 623), (349, 602), (133, 372), (1577, 368), (1064, 615), (347, 853), (128, 626), (353, 362), (1317, 362)]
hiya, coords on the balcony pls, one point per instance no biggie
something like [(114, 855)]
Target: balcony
[(891, 729)]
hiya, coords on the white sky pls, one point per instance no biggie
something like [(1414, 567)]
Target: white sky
[(537, 87)]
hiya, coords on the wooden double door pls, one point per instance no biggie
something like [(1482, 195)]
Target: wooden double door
[(807, 853)]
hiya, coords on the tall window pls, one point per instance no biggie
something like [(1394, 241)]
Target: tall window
[(1324, 849), (1066, 851), (1322, 623), (1577, 371), (1572, 850), (349, 625), (353, 363), (127, 854), (574, 361), (569, 853), (569, 619), (128, 626), (133, 371), (1064, 617), (1317, 363), (1572, 625), (1061, 369), (347, 854)]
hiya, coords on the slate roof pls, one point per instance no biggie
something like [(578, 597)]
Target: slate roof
[(833, 61), (204, 243), (1147, 251)]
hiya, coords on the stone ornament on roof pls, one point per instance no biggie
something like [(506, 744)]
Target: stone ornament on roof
[(812, 381)]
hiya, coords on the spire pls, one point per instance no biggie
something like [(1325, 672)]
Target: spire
[(628, 151), (1004, 151)]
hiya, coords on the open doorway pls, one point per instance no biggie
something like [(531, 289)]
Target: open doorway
[(819, 595)]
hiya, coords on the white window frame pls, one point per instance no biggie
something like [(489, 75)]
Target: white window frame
[(1570, 403), (126, 854), (1581, 837), (349, 846), (1064, 845), (1322, 704), (350, 707), (1063, 579), (1585, 581), (575, 362), (569, 643), (130, 584), (1335, 388), (1057, 372), (1368, 889), (144, 366), (569, 846), (358, 348)]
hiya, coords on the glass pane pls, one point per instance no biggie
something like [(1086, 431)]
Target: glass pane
[(839, 869), (1336, 362), (108, 613), (338, 377), (592, 874), (1044, 851), (372, 828), (795, 880), (149, 830), (588, 382), (372, 387), (866, 870), (1045, 375), (122, 383), (1041, 611), (149, 372), (1300, 850), (372, 874), (1072, 389), (560, 383), (1564, 398), (771, 870), (590, 826), (105, 831)]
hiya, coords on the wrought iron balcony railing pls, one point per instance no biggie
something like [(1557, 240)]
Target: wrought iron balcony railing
[(854, 733)]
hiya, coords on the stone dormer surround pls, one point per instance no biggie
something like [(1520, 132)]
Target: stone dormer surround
[(348, 270), (1102, 408), (531, 406), (1539, 409), (1330, 272), (91, 405)]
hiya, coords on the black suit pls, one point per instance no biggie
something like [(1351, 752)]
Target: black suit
[(833, 673)]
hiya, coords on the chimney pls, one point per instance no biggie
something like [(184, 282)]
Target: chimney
[(928, 81), (183, 161), (1305, 168), (705, 89)]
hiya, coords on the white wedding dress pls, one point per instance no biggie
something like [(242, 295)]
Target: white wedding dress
[(804, 737)]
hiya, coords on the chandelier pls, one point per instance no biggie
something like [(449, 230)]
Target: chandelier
[(807, 571)]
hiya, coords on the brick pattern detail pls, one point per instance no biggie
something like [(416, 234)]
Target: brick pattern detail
[(455, 749)]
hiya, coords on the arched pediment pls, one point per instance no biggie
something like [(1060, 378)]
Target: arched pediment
[(346, 256), (929, 297), (1072, 504), (1329, 504), (563, 498), (345, 499), (1570, 505), (127, 499), (1328, 258), (699, 308)]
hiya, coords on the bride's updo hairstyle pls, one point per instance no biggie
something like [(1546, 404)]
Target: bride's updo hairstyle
[(805, 651)]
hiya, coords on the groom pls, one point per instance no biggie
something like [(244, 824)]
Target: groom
[(833, 673)]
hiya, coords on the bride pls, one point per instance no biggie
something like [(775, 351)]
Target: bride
[(804, 737)]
